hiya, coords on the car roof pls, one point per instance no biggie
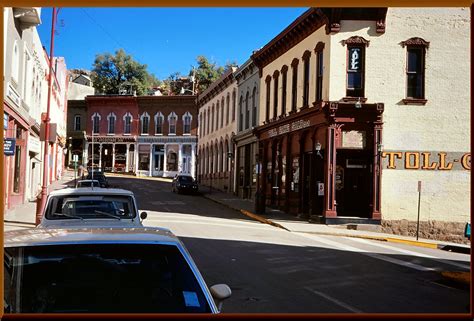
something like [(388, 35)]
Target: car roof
[(88, 235), (87, 181), (91, 191)]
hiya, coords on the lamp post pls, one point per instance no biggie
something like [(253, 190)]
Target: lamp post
[(40, 204)]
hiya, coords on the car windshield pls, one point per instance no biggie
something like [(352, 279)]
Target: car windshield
[(100, 278), (185, 179), (98, 176), (90, 207)]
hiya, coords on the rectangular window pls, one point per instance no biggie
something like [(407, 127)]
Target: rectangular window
[(172, 125), (159, 125), (145, 123), (319, 76), (294, 88), (415, 73), (247, 112), (267, 104), (275, 96), (355, 71), (217, 116), (77, 122), (283, 92), (96, 125), (306, 82), (127, 128), (111, 125), (187, 125)]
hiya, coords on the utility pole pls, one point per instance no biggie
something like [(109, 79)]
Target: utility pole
[(40, 205)]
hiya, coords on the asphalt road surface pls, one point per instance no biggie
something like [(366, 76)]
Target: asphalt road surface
[(271, 270)]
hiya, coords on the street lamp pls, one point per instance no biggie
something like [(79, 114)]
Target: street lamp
[(41, 203), (358, 104)]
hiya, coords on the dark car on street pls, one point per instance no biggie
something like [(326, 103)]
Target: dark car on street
[(184, 183), (97, 175)]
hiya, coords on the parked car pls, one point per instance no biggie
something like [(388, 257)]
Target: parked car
[(98, 175), (184, 183), (87, 206), (103, 270), (88, 183)]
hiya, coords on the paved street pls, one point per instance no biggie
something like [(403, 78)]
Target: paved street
[(273, 270)]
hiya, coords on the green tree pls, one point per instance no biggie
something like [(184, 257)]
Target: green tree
[(206, 73), (113, 73)]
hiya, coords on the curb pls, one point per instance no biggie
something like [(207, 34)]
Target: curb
[(370, 237), (458, 277)]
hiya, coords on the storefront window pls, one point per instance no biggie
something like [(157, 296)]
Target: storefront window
[(17, 173), (144, 161), (172, 163)]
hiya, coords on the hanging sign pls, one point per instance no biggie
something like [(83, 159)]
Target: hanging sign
[(9, 146)]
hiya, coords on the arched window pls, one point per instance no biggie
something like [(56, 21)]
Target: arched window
[(228, 108), (145, 123), (187, 118), (222, 114), (233, 105), (208, 124), (159, 119), (247, 111), (254, 107), (200, 125), (172, 119), (241, 113), (111, 123), (96, 123), (127, 123), (217, 115)]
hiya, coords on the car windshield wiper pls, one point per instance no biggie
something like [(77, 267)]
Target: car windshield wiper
[(69, 215), (108, 214)]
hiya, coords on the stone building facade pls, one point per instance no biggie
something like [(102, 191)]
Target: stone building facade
[(217, 126), (353, 116)]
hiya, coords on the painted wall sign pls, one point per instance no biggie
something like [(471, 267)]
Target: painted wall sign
[(286, 128), (410, 160), (354, 59), (353, 139), (9, 146)]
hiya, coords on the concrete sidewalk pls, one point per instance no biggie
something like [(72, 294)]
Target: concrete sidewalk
[(26, 213), (294, 224)]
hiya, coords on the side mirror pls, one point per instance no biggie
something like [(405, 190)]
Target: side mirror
[(143, 215), (220, 292)]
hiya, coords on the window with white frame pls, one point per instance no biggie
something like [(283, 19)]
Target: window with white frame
[(111, 123), (145, 123), (187, 118), (172, 118), (96, 123), (127, 123), (159, 118)]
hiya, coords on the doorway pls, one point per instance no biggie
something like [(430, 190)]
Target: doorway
[(353, 181)]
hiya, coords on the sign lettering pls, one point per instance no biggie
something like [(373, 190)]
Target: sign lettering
[(426, 160), (9, 146)]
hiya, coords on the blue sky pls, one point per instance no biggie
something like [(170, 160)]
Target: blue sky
[(166, 39)]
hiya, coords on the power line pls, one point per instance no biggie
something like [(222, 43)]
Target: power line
[(108, 33)]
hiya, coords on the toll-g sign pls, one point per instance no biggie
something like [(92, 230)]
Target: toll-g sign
[(9, 146)]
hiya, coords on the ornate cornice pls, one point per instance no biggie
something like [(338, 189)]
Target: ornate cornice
[(415, 41), (356, 40)]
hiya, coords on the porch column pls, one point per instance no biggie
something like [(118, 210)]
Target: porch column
[(151, 160), (180, 158), (193, 160), (113, 157), (127, 163), (377, 173), (330, 173), (135, 156), (100, 156), (164, 160), (85, 154)]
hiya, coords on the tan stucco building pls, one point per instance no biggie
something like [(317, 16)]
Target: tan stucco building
[(359, 105)]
